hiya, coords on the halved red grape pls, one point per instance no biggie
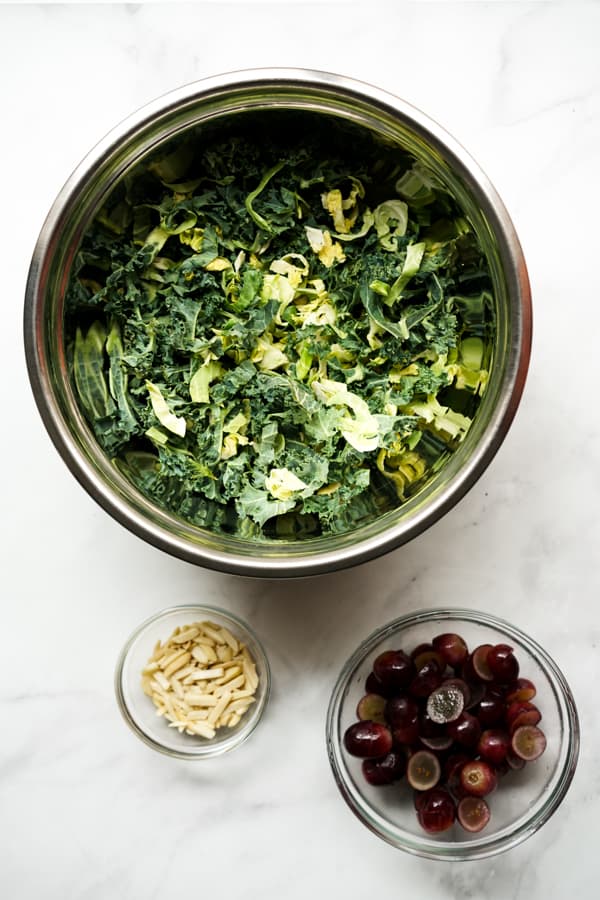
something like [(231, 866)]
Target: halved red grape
[(386, 769), (420, 648), (428, 728), (452, 768), (522, 713), (403, 715), (493, 745), (451, 647), (476, 693), (406, 736), (521, 690), (462, 686), (446, 703), (371, 708), (427, 679), (465, 730), (374, 686), (368, 740), (478, 778), (473, 813), (394, 669), (491, 708), (423, 770), (479, 659), (528, 742), (428, 655), (436, 811), (503, 663), (468, 673), (419, 798)]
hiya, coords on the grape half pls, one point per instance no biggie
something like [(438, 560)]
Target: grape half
[(445, 703), (528, 742), (478, 778), (423, 770), (452, 648), (493, 745), (371, 708), (473, 813), (394, 669), (503, 663), (386, 769), (368, 740), (436, 811)]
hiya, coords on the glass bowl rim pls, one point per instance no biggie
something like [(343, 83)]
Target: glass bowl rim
[(210, 749), (478, 848)]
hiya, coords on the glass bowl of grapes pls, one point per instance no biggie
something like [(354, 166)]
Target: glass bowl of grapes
[(452, 734)]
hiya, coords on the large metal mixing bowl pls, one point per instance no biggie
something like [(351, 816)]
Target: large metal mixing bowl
[(219, 98)]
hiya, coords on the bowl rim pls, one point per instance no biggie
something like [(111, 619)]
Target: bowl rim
[(145, 519), (208, 750), (481, 847)]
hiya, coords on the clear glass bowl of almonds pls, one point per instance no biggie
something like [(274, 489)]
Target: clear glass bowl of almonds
[(193, 681)]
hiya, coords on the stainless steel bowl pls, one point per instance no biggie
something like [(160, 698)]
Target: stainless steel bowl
[(226, 96)]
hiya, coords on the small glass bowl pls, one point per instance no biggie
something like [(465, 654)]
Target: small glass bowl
[(524, 799), (138, 709)]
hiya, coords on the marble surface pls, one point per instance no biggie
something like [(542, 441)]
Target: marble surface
[(87, 812)]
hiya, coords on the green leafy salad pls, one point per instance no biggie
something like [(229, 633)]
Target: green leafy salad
[(279, 330)]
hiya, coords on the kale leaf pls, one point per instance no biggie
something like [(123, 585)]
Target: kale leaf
[(279, 338)]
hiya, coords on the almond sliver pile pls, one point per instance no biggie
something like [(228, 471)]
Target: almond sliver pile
[(201, 679)]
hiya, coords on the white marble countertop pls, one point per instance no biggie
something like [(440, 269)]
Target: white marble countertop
[(86, 810)]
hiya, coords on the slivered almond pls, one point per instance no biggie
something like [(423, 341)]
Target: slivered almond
[(177, 687), (157, 652), (170, 711), (200, 654), (187, 670), (213, 632), (229, 639), (208, 649), (162, 680), (203, 729), (230, 673), (194, 698), (206, 640), (200, 679), (239, 706), (216, 711), (196, 714), (168, 658), (224, 653), (190, 679), (186, 635), (232, 685), (206, 674), (250, 675), (150, 668), (230, 663), (178, 663), (237, 695)]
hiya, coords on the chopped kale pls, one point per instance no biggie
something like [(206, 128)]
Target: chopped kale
[(279, 338)]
